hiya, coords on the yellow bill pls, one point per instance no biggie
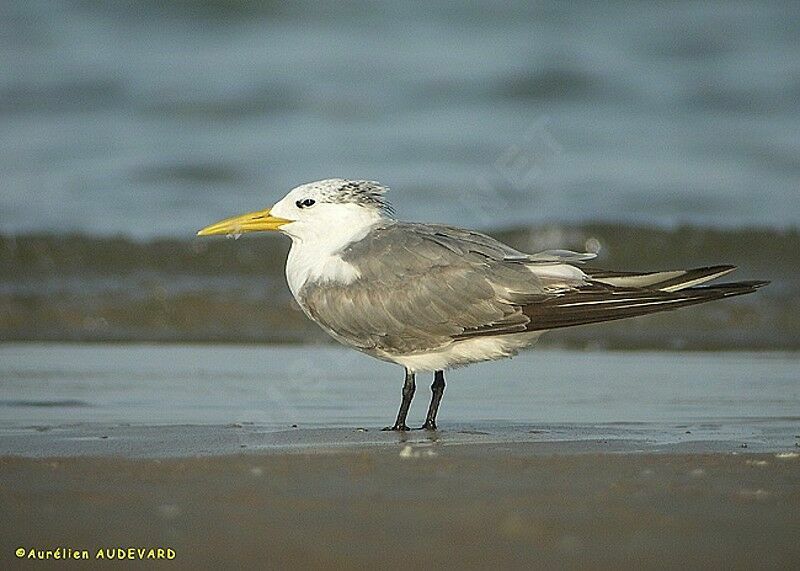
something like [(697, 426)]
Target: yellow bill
[(260, 221)]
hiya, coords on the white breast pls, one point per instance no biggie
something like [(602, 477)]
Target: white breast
[(307, 263), (318, 244)]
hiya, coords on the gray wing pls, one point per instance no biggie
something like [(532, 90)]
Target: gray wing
[(422, 286)]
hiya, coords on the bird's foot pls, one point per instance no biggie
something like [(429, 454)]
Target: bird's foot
[(429, 425), (396, 428)]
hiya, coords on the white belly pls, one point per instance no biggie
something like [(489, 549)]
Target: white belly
[(468, 351)]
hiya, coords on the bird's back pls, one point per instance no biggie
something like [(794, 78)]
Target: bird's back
[(421, 286)]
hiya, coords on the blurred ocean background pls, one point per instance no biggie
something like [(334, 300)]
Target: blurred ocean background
[(666, 134)]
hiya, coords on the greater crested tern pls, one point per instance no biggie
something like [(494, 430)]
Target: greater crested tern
[(431, 297)]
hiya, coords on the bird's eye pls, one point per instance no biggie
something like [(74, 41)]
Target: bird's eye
[(305, 203)]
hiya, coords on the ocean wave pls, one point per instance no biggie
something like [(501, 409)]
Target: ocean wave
[(88, 288)]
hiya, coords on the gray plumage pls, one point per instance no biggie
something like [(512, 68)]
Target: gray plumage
[(425, 286), (421, 286)]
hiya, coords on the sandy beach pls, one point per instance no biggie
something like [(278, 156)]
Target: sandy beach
[(165, 399), (566, 459), (454, 507)]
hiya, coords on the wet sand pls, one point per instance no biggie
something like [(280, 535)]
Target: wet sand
[(512, 505), (257, 457), (778, 435)]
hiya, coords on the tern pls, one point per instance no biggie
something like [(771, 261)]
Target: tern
[(431, 297)]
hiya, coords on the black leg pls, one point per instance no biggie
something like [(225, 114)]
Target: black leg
[(437, 388), (409, 387)]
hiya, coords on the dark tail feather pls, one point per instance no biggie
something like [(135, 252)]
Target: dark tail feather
[(673, 280), (598, 304)]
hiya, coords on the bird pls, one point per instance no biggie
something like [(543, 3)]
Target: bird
[(432, 297)]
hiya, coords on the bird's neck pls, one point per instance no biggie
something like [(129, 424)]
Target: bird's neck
[(316, 253)]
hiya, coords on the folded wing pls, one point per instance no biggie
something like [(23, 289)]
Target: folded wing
[(423, 287)]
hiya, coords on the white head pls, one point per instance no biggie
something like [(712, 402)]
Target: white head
[(319, 209)]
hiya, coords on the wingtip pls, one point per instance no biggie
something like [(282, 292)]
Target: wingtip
[(722, 269), (738, 288), (753, 284)]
